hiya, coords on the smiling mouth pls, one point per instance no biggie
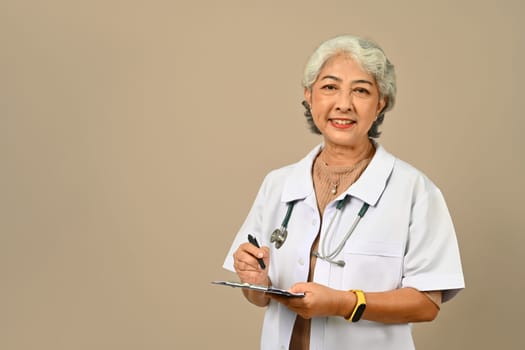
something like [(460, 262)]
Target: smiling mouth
[(342, 123)]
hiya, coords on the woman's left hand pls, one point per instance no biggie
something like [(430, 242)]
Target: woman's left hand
[(318, 301)]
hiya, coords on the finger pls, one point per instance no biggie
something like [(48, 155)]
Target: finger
[(293, 304), (244, 260), (300, 287), (266, 254), (266, 251), (279, 298), (258, 253)]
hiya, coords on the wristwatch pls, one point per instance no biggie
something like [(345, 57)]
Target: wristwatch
[(360, 306)]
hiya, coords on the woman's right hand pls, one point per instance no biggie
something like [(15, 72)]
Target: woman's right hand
[(249, 271), (248, 268)]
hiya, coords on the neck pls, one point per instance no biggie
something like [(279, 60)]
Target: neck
[(337, 155)]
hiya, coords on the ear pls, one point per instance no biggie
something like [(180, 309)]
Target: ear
[(308, 96), (381, 104)]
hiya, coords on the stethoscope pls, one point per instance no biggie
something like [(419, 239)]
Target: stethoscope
[(280, 234)]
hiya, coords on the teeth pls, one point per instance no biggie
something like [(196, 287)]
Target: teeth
[(342, 122)]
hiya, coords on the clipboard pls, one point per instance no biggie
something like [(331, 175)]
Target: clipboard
[(265, 289)]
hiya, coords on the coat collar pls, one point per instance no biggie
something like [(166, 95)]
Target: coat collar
[(368, 188)]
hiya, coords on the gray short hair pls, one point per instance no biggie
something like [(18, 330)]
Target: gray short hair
[(369, 56)]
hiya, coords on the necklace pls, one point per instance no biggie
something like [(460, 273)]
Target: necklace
[(334, 188), (334, 177), (341, 176)]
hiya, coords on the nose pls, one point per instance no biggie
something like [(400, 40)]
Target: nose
[(344, 102)]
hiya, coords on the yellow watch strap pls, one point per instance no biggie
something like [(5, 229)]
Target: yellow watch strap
[(359, 307)]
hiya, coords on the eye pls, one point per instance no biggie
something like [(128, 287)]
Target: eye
[(361, 91), (329, 87)]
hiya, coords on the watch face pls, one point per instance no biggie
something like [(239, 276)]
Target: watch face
[(359, 312)]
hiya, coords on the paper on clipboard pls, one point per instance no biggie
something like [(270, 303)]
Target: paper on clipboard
[(270, 290)]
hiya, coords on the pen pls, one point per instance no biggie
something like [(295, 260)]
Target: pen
[(253, 241)]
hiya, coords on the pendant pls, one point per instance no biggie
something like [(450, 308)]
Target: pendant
[(334, 189)]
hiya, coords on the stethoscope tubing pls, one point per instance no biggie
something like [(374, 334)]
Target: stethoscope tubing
[(278, 236)]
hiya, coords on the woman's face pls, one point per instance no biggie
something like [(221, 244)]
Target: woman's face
[(344, 101)]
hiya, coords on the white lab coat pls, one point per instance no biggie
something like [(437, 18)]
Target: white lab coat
[(406, 239)]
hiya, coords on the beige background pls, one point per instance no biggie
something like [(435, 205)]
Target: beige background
[(134, 136)]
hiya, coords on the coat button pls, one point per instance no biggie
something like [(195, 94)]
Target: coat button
[(301, 261)]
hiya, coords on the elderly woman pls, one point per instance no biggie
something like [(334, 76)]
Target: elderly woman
[(369, 239)]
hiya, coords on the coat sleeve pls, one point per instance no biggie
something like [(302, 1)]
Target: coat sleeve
[(432, 260), (252, 225)]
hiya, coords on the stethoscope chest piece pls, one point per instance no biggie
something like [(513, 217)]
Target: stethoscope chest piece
[(279, 237)]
